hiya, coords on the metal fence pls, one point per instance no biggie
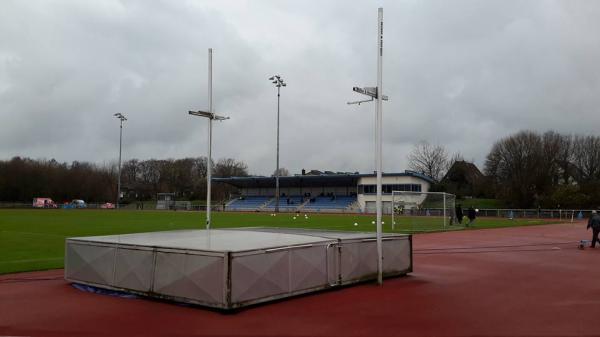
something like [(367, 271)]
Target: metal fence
[(512, 213), (183, 205), (563, 214), (14, 205), (17, 205)]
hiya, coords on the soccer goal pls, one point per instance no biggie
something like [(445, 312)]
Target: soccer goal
[(423, 211)]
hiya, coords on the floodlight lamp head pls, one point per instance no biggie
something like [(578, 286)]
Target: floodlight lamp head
[(201, 114), (271, 78), (283, 84)]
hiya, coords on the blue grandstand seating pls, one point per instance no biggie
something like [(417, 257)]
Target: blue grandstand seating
[(247, 203), (329, 203), (294, 202), (325, 203)]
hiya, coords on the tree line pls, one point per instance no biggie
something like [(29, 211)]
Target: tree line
[(185, 177), (531, 169), (22, 179), (527, 169)]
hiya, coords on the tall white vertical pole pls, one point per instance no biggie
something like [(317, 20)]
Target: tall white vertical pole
[(209, 160), (379, 132)]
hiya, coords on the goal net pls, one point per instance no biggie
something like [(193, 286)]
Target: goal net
[(423, 211)]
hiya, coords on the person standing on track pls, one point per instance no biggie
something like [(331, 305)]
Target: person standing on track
[(459, 214), (594, 223), (471, 215)]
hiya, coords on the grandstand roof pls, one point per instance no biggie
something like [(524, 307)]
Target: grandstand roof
[(310, 180)]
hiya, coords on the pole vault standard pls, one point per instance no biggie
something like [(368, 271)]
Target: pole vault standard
[(211, 116), (377, 94)]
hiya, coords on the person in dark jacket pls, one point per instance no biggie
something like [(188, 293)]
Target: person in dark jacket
[(471, 215), (459, 214), (594, 223)]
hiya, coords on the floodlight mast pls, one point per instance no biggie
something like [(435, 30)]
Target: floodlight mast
[(279, 82), (376, 93), (210, 115), (121, 118)]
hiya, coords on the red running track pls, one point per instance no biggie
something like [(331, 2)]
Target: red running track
[(525, 281)]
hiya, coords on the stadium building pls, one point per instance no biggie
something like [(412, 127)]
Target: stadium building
[(321, 192)]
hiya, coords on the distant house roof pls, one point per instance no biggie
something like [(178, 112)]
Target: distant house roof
[(463, 171), (326, 180)]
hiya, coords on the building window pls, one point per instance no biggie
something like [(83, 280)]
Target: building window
[(388, 188)]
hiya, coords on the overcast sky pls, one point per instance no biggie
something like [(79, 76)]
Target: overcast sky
[(458, 73)]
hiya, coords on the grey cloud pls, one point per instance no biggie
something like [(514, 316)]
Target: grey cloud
[(460, 73)]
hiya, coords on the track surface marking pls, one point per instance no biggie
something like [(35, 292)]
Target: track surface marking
[(521, 281)]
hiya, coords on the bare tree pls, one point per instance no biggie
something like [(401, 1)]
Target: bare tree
[(429, 160), (515, 163), (130, 172), (564, 160), (182, 176), (586, 158), (229, 167), (527, 167), (151, 175), (225, 168)]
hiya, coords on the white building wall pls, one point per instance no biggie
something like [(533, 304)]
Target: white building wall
[(367, 201), (396, 180)]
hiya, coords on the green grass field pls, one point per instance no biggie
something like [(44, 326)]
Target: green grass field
[(34, 239)]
